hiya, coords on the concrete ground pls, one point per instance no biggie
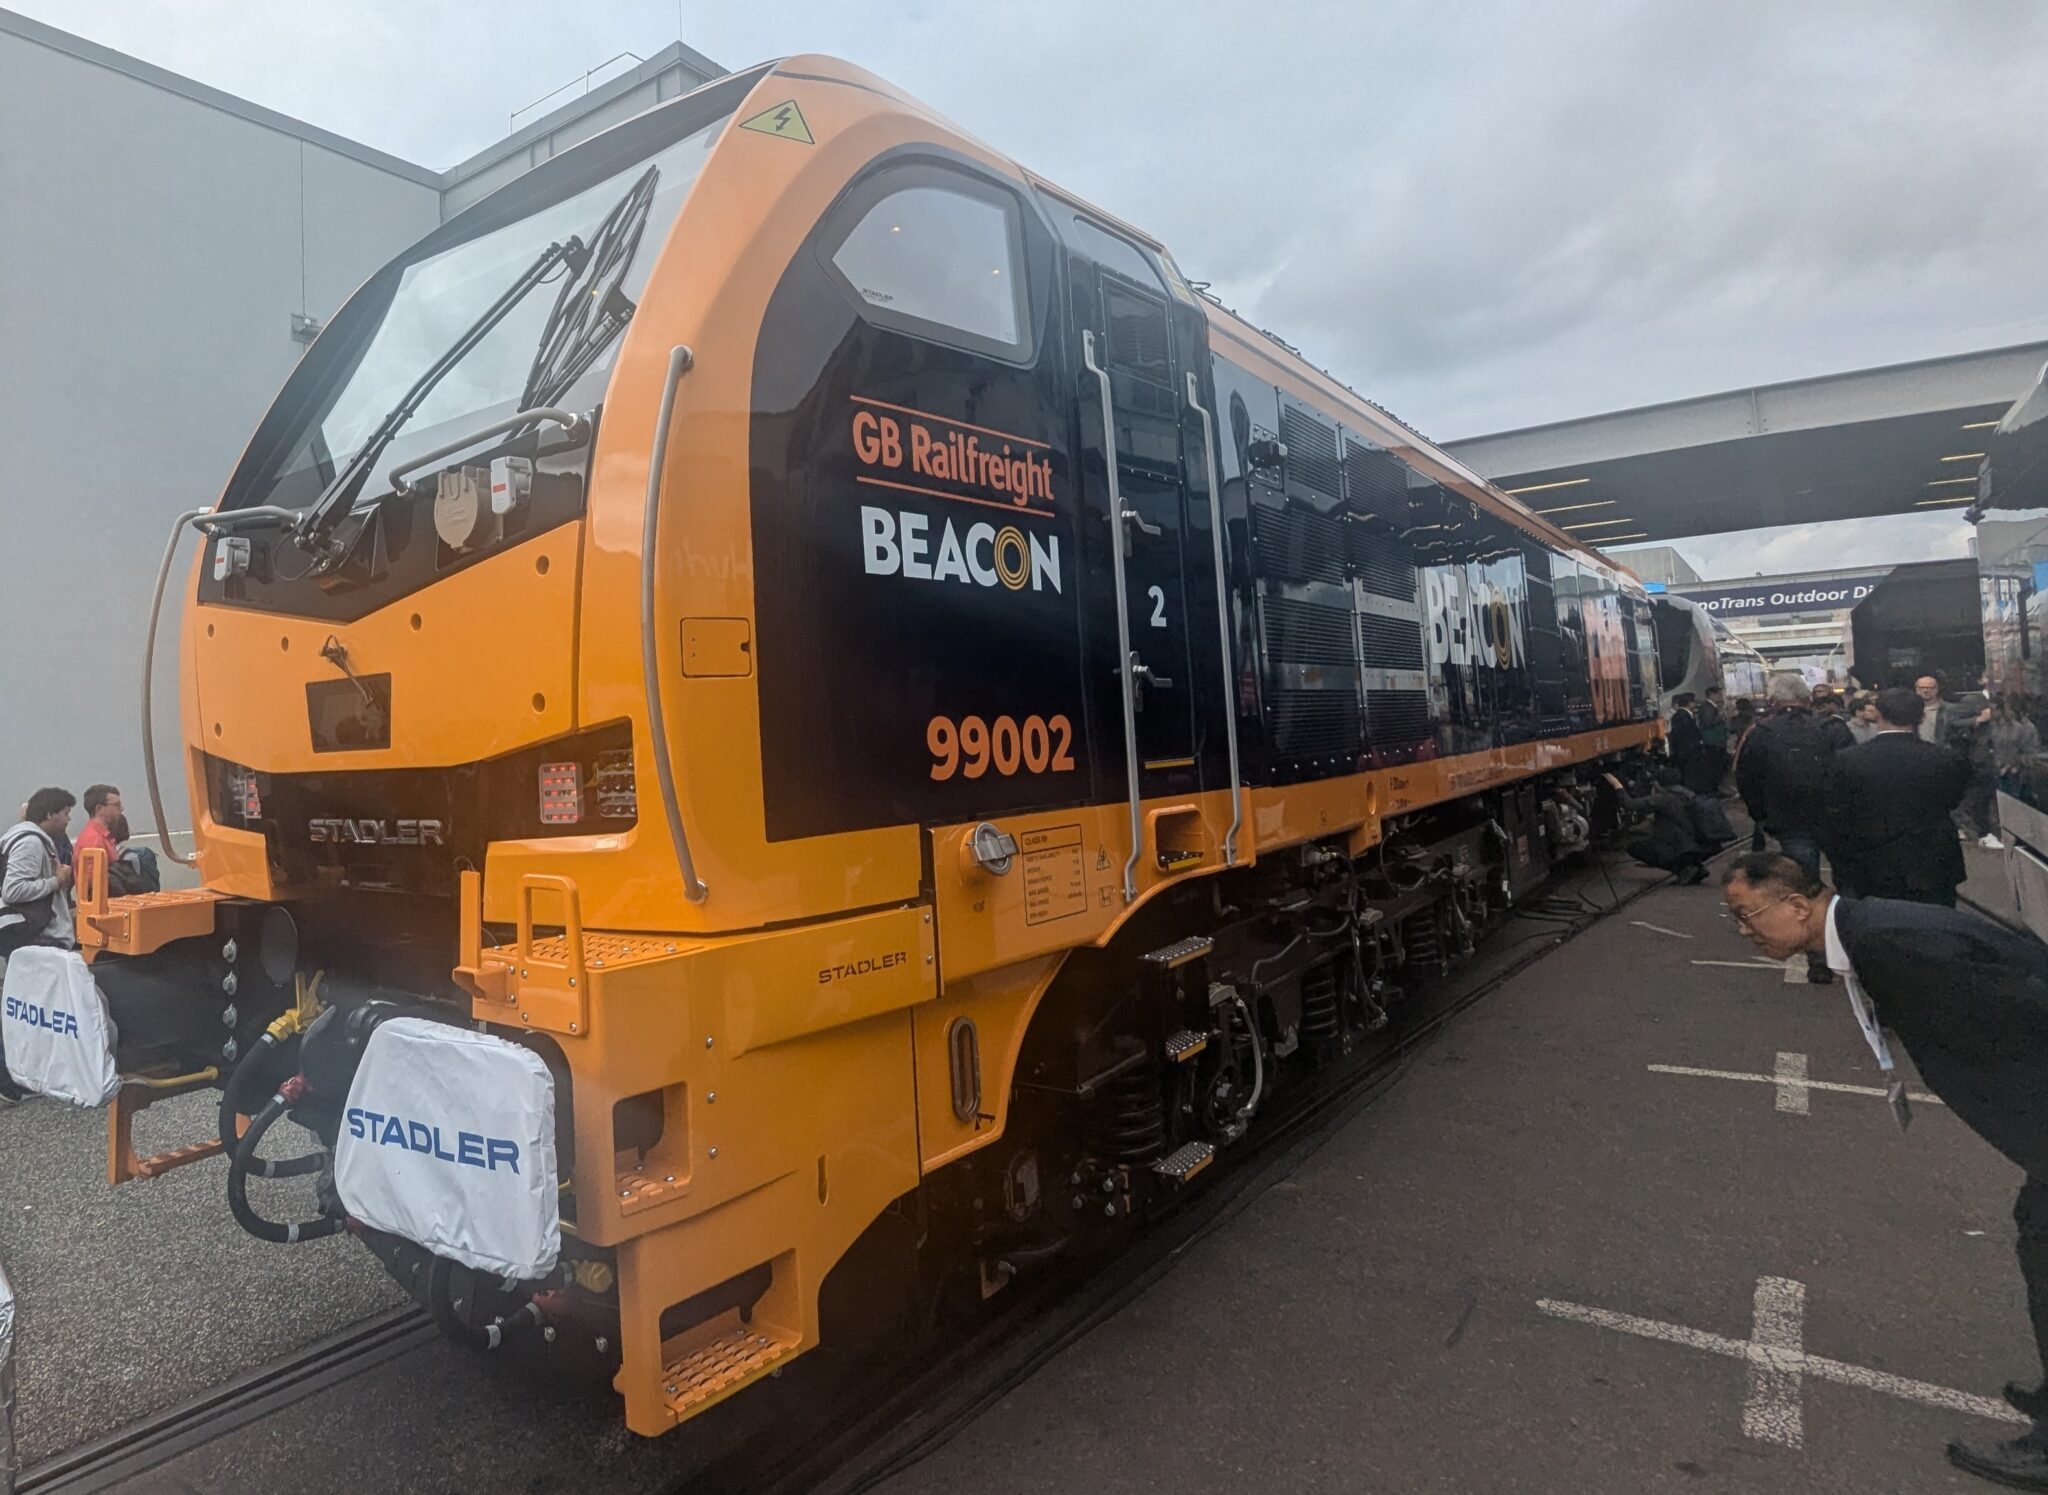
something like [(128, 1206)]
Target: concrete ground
[(134, 1298), (1369, 1324), (1373, 1324)]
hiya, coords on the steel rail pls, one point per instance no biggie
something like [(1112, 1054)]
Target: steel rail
[(127, 1453)]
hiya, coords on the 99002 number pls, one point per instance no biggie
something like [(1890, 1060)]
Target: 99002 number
[(973, 746)]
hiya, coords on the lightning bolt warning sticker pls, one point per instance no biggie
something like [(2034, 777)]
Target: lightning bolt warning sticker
[(785, 121)]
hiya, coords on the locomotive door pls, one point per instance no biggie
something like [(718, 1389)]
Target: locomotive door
[(1122, 331)]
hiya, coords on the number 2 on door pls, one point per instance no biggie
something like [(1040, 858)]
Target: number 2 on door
[(1158, 596)]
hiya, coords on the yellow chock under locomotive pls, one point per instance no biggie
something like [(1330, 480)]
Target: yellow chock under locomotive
[(782, 675)]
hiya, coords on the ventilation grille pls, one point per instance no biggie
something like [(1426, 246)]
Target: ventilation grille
[(1383, 569), (1296, 545), (1376, 482), (1316, 723), (1311, 451), (1397, 716), (1305, 633), (1391, 643)]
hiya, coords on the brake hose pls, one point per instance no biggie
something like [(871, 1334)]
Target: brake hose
[(241, 1165), (441, 1304)]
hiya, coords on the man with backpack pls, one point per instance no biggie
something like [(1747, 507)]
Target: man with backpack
[(35, 889), (1783, 773)]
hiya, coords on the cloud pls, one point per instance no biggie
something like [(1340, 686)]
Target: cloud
[(1884, 541), (1484, 216)]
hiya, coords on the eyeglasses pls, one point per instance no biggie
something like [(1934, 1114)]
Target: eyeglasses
[(1745, 919)]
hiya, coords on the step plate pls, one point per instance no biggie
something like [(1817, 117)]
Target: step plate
[(1185, 1044), (721, 1366), (1185, 1161), (1180, 952)]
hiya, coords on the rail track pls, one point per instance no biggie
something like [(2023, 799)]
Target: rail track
[(920, 1404)]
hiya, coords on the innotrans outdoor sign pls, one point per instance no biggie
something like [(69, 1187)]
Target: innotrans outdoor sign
[(1833, 595)]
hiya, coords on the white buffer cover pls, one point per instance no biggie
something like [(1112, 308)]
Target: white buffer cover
[(448, 1140), (59, 1039)]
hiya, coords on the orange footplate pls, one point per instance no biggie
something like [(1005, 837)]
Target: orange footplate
[(138, 923)]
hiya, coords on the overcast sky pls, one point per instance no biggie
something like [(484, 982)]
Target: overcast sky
[(1485, 215)]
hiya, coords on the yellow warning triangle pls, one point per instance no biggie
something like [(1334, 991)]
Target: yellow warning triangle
[(785, 121)]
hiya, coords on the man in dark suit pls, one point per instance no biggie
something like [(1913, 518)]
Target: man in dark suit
[(1888, 801), (1687, 748), (1968, 1000)]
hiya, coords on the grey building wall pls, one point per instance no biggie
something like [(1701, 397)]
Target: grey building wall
[(156, 239), (673, 71)]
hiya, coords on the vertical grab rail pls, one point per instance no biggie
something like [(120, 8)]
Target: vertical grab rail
[(1123, 611), (1222, 618), (680, 361)]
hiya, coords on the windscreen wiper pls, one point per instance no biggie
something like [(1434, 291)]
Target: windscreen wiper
[(314, 528), (588, 313), (592, 306)]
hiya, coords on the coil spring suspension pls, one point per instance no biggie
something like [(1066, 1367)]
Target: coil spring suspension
[(1422, 942), (1321, 1014), (1133, 1117)]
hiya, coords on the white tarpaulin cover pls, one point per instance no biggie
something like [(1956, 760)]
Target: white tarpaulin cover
[(59, 1041), (448, 1140)]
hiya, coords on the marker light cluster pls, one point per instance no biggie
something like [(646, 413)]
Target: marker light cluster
[(561, 793)]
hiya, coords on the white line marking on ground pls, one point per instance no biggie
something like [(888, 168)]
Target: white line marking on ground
[(1741, 965), (1777, 1351), (1795, 970), (1676, 934), (1836, 1086), (1785, 1362), (1792, 1089)]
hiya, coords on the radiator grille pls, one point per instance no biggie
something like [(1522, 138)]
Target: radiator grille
[(1376, 482), (1397, 716), (1296, 545), (1311, 451), (1391, 643), (1305, 633), (1383, 568), (1316, 723)]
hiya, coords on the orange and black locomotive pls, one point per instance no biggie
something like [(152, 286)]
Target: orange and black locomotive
[(782, 667)]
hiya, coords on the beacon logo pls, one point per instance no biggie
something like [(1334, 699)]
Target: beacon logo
[(900, 542)]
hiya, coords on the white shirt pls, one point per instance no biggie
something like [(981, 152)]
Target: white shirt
[(1859, 999)]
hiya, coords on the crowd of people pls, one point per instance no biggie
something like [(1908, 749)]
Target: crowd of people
[(1887, 787), (1824, 774), (37, 862)]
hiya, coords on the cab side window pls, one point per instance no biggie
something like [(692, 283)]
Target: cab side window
[(940, 261)]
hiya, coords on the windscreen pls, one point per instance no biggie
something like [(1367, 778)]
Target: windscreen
[(414, 312)]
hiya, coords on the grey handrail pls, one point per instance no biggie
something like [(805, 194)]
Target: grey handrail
[(1222, 619), (209, 521), (680, 361), (1123, 611), (571, 423)]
